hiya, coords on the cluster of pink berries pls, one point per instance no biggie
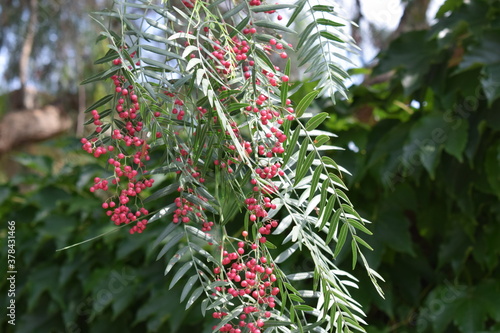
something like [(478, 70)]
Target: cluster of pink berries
[(251, 276), (186, 208), (127, 153)]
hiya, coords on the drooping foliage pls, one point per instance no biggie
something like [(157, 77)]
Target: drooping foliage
[(207, 84), (425, 150)]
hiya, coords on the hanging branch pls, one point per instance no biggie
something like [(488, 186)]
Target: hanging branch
[(207, 83)]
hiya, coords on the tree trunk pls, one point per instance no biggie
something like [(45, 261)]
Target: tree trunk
[(24, 60)]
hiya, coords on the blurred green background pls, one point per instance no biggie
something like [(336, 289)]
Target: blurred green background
[(421, 132)]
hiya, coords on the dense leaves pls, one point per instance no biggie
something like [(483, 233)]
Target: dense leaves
[(108, 282), (203, 83), (424, 151)]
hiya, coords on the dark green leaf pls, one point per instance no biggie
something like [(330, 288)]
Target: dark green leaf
[(316, 121), (341, 239), (188, 286), (173, 241), (330, 23), (305, 102), (162, 192), (233, 11), (296, 12), (194, 296), (354, 251), (328, 35), (321, 140), (100, 102), (314, 182), (266, 8), (303, 307), (333, 225), (265, 59), (110, 56), (273, 25), (180, 273)]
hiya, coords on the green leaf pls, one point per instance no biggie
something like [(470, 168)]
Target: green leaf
[(163, 212), (290, 146), (171, 243), (354, 251), (273, 25), (328, 22), (305, 35), (270, 245), (333, 225), (321, 140), (162, 65), (491, 82), (327, 211), (265, 58), (296, 12), (290, 287), (266, 8), (233, 11), (425, 142), (358, 225), (194, 296), (101, 75), (175, 259), (305, 102), (448, 5), (285, 86), (168, 230), (303, 167), (303, 307), (161, 51), (330, 36), (362, 242), (100, 102), (328, 161), (240, 26), (212, 6), (110, 56), (162, 192), (470, 314), (236, 106), (323, 8), (456, 136), (286, 254), (197, 201), (188, 286), (341, 239), (180, 273), (316, 121), (336, 180), (341, 194), (314, 182), (296, 298), (416, 64)]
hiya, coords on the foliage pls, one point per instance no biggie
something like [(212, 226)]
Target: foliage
[(110, 282), (425, 155), (201, 82)]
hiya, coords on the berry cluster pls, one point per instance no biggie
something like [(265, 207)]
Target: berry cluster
[(248, 273), (126, 153), (186, 209), (251, 278)]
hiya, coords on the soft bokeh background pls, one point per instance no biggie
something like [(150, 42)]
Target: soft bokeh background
[(422, 136)]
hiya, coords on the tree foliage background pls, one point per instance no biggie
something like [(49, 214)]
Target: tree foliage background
[(423, 147)]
